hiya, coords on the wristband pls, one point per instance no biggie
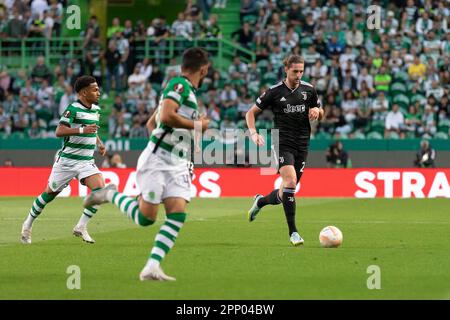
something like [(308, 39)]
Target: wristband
[(254, 133), (81, 130)]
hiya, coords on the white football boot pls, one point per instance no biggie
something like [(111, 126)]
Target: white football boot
[(99, 196), (154, 273), (254, 210), (81, 232), (296, 240), (25, 237)]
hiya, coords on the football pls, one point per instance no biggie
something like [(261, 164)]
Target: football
[(330, 237)]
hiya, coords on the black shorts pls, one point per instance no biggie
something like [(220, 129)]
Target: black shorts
[(293, 157)]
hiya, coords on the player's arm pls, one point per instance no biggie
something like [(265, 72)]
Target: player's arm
[(171, 118), (101, 147), (151, 123), (315, 111), (64, 130), (250, 117), (263, 102)]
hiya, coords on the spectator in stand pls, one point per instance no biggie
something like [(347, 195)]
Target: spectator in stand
[(337, 157), (244, 35), (182, 27), (211, 28), (57, 12), (92, 31), (5, 121), (113, 59), (40, 71), (49, 24), (382, 80), (15, 29), (416, 70), (137, 78), (8, 163), (116, 27), (426, 156), (395, 122), (38, 7), (116, 161)]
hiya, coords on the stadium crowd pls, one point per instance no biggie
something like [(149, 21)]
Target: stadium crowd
[(391, 82)]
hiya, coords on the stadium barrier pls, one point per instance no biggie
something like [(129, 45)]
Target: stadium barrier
[(245, 182), (22, 53)]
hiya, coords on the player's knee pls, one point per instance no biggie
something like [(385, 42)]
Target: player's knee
[(149, 212), (290, 182)]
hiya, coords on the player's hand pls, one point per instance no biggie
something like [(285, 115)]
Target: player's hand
[(314, 114), (101, 149), (257, 139), (91, 128)]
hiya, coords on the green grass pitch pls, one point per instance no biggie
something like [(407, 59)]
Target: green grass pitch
[(220, 255)]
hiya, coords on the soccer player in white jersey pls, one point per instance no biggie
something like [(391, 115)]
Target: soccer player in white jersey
[(78, 125), (163, 169)]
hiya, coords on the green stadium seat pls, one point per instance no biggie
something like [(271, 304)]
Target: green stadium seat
[(305, 42), (241, 124), (269, 125), (410, 85), (401, 76), (359, 135), (393, 135), (402, 100), (250, 19), (377, 126), (322, 135), (398, 87), (418, 97), (213, 125), (17, 135), (375, 135), (269, 78), (441, 135), (443, 128), (410, 135), (262, 65), (259, 124)]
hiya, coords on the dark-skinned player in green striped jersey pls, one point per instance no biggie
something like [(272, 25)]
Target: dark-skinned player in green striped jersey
[(163, 169), (78, 126)]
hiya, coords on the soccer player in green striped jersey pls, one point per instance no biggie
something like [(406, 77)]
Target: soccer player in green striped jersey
[(163, 169), (78, 125)]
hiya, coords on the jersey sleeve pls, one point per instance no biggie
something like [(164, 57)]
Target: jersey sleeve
[(315, 101), (67, 117), (264, 101), (176, 91)]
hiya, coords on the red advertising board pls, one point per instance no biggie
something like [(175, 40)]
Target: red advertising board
[(245, 182)]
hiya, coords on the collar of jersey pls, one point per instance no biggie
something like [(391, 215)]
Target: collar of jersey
[(292, 91), (192, 86), (79, 101)]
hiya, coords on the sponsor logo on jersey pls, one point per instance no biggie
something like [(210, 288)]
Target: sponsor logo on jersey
[(283, 99), (293, 109), (305, 95), (178, 87)]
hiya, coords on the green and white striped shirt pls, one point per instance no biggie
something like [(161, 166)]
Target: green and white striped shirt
[(80, 147), (180, 90)]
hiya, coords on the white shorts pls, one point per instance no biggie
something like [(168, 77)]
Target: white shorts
[(63, 173), (159, 180)]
